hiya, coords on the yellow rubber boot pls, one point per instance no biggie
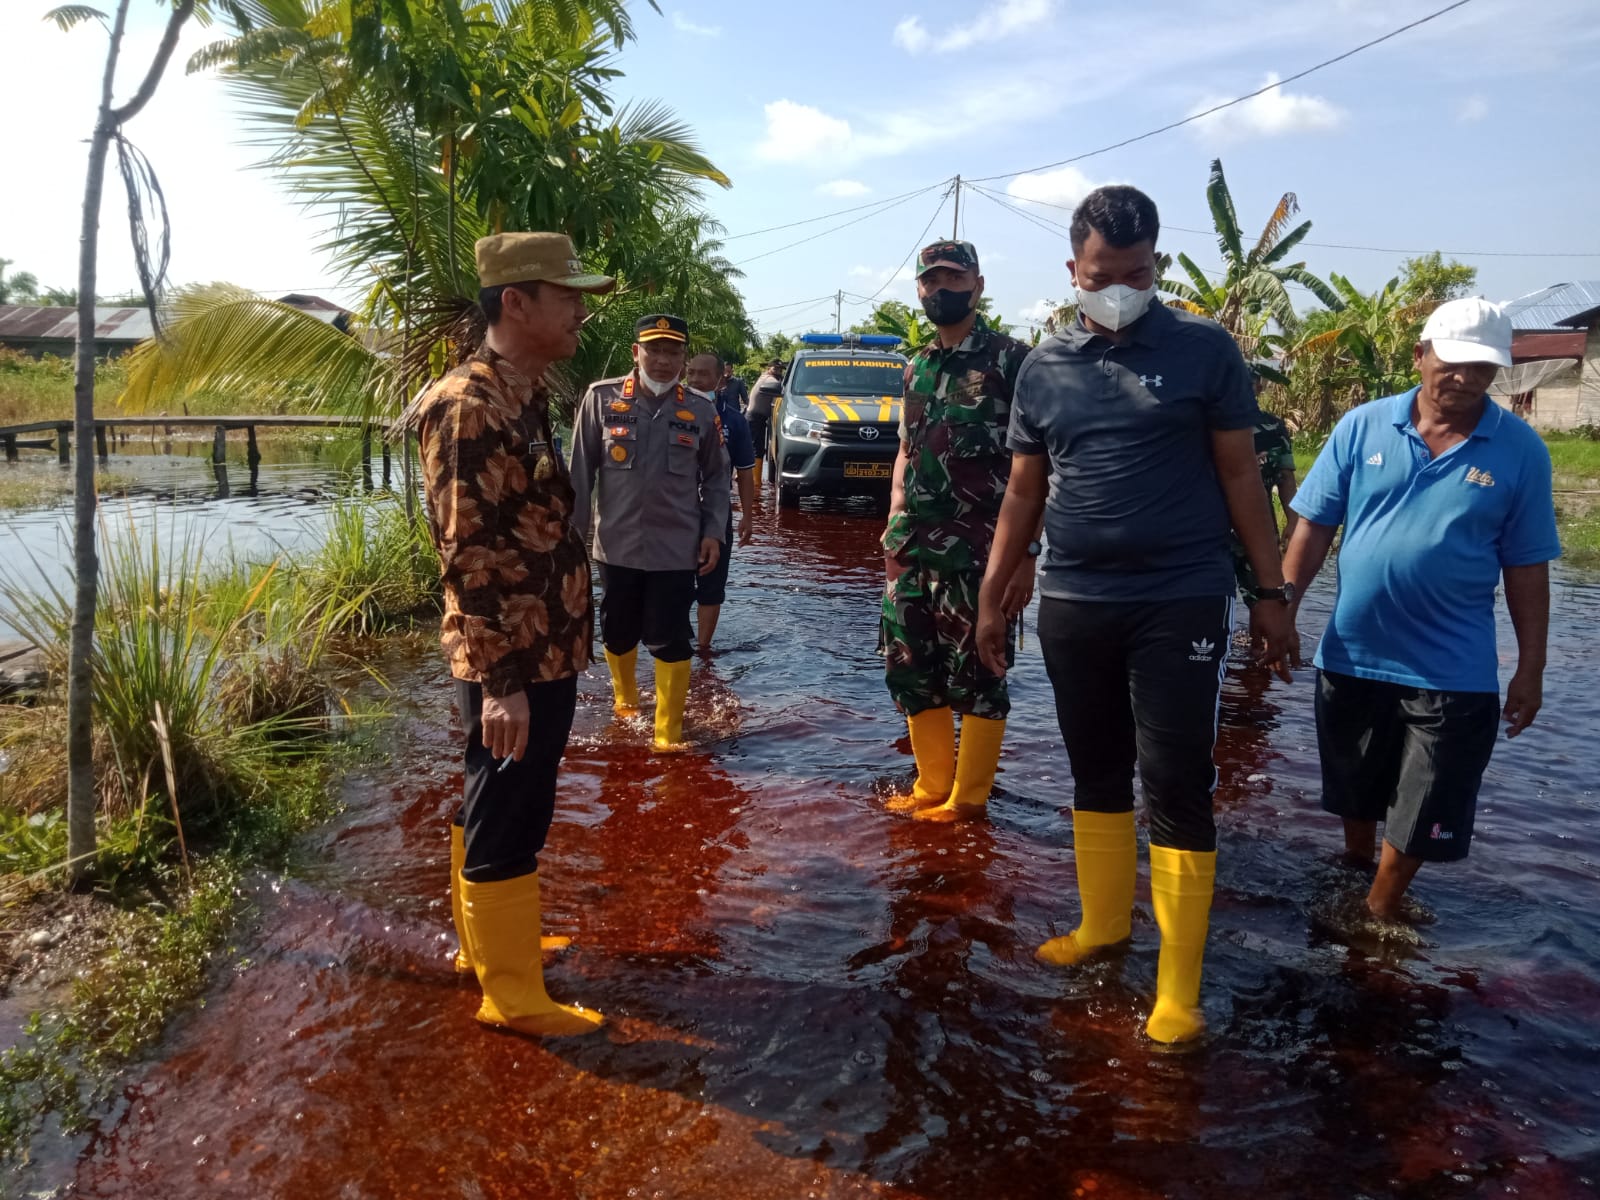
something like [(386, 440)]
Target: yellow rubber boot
[(1181, 882), (458, 858), (624, 682), (933, 745), (502, 925), (975, 767), (672, 693), (1107, 856)]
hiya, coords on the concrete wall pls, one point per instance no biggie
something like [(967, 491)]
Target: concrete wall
[(1574, 399)]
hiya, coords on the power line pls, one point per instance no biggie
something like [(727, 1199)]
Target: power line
[(1216, 108), (733, 237), (791, 304), (836, 228), (915, 246), (1211, 233)]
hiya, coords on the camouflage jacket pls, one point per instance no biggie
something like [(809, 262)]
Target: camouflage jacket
[(953, 427), (517, 608), (1274, 450)]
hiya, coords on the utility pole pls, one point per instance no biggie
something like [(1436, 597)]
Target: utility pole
[(955, 223), (838, 311)]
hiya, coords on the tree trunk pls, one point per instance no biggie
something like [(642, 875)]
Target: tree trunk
[(86, 561)]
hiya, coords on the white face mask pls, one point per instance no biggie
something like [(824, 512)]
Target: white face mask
[(1115, 307), (704, 394), (654, 386)]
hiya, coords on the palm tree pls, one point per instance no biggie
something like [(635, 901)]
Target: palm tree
[(1254, 289), (526, 138), (21, 288)]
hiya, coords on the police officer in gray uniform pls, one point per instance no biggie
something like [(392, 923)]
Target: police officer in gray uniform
[(649, 467)]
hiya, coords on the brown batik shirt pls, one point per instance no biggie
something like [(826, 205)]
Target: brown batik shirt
[(517, 608)]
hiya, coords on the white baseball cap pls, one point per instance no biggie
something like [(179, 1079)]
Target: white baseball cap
[(1470, 331)]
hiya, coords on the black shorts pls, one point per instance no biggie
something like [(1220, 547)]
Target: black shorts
[(1409, 757), (712, 587), (647, 606)]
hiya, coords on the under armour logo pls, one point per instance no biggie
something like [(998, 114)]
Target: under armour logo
[(1376, 460), (1150, 381), (1203, 650)]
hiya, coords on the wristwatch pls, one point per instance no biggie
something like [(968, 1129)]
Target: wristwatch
[(1286, 593), (1035, 549)]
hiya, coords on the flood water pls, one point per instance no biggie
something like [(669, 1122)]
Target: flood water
[(810, 997), (171, 488)]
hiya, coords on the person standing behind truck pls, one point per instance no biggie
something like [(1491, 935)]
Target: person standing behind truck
[(767, 390)]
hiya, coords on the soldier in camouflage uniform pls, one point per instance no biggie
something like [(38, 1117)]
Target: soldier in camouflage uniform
[(949, 479), (1275, 455)]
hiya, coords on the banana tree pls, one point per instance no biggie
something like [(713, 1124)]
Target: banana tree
[(1255, 282)]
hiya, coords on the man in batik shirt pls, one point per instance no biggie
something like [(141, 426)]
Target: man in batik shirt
[(518, 623)]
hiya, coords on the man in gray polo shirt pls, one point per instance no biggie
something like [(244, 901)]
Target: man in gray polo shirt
[(1136, 425)]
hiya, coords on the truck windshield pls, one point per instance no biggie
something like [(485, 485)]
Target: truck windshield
[(849, 377)]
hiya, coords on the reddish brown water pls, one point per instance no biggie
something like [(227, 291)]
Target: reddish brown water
[(812, 998)]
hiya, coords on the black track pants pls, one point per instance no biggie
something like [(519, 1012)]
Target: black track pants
[(507, 813), (1139, 683)]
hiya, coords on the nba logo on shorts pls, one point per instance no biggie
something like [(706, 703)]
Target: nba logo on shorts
[(1440, 835)]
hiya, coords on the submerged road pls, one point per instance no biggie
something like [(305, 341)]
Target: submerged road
[(810, 997)]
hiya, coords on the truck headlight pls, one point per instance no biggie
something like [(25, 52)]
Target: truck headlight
[(799, 427)]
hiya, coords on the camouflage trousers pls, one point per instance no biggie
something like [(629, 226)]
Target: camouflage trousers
[(928, 637)]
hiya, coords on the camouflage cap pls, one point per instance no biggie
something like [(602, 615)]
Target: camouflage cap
[(958, 256), (534, 258)]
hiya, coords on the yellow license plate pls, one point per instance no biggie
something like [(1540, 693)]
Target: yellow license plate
[(867, 470)]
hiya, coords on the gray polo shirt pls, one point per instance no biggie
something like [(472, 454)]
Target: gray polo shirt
[(1135, 511), (654, 471)]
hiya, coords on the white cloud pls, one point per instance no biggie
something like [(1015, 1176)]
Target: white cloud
[(1271, 114), (872, 280), (1000, 20), (1064, 186), (684, 25), (1473, 108), (801, 133), (843, 188), (1039, 310)]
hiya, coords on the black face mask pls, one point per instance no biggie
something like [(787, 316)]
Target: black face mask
[(945, 307)]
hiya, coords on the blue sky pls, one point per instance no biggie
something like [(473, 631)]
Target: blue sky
[(1472, 133)]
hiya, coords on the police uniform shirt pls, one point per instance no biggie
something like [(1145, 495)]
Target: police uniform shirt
[(653, 472)]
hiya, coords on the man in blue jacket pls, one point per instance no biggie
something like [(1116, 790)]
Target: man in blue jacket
[(1442, 495)]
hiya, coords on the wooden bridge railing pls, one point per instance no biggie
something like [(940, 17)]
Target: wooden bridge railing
[(14, 437)]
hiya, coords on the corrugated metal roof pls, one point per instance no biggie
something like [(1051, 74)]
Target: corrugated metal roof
[(24, 322), (1560, 306)]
